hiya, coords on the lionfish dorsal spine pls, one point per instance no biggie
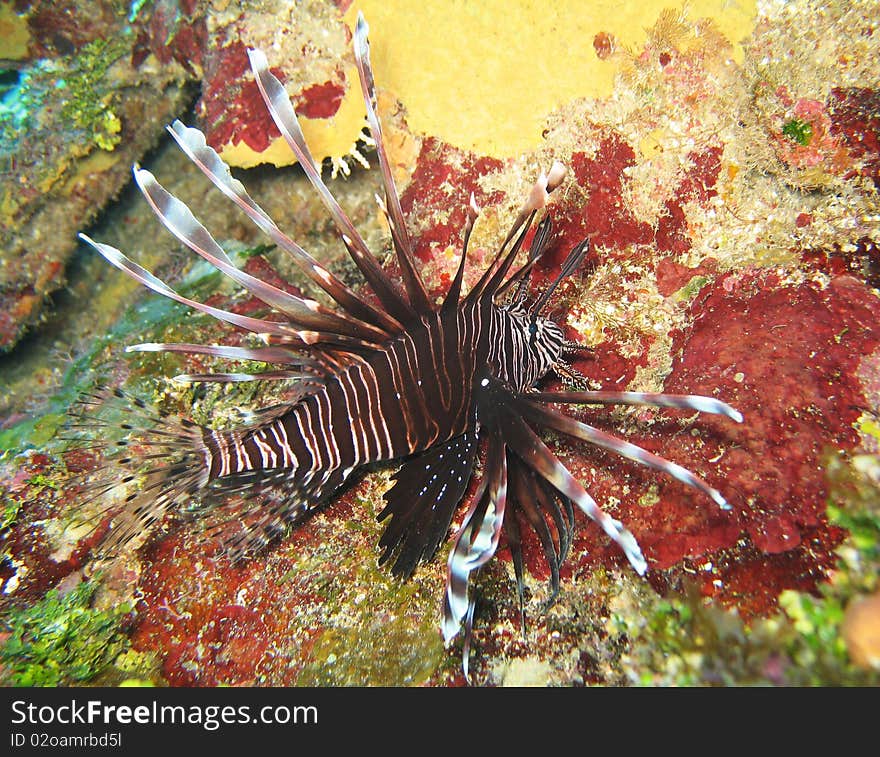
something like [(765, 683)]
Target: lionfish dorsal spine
[(284, 116), (415, 287), (304, 313), (137, 272), (192, 142), (453, 294)]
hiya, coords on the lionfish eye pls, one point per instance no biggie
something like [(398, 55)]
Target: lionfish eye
[(533, 333)]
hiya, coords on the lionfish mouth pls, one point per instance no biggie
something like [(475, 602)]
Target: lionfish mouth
[(405, 379)]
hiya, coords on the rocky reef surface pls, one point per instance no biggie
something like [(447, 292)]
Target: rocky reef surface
[(730, 190)]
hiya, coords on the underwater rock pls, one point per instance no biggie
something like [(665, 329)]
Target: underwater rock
[(77, 113), (86, 100)]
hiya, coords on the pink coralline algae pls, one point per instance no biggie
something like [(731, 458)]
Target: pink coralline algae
[(231, 105), (697, 185), (604, 215), (855, 118), (232, 109), (40, 565), (787, 357), (211, 638), (320, 100), (784, 354), (176, 30), (672, 276)]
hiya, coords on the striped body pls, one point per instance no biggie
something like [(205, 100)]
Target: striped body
[(415, 393)]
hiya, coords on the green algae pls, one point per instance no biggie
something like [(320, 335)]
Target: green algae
[(11, 509), (133, 668), (379, 631), (80, 89), (682, 641), (86, 105), (691, 289), (377, 651), (35, 432), (798, 131), (61, 640)]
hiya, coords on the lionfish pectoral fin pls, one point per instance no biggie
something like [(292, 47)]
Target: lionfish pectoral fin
[(531, 450), (696, 402), (513, 537), (540, 506), (428, 487), (550, 418), (477, 539)]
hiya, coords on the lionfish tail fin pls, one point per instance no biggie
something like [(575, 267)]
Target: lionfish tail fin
[(152, 464), (244, 513)]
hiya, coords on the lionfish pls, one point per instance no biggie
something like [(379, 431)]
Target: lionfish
[(436, 385)]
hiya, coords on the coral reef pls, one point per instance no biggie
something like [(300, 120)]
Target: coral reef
[(729, 185)]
